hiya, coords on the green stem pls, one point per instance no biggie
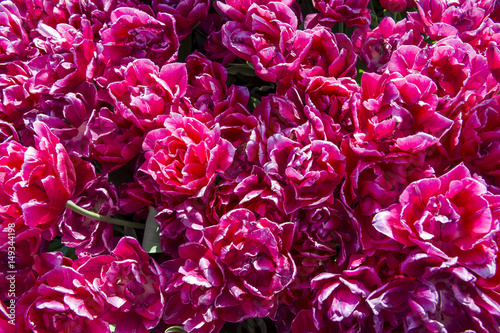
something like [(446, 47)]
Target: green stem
[(397, 17), (373, 15), (99, 217)]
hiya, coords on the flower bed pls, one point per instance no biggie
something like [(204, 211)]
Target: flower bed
[(250, 166)]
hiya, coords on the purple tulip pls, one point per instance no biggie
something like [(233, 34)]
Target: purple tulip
[(439, 19), (309, 172), (352, 12), (342, 298), (133, 33), (376, 46), (451, 217), (195, 281), (268, 37), (129, 283), (479, 141), (13, 38), (457, 301), (187, 13), (256, 260), (61, 301)]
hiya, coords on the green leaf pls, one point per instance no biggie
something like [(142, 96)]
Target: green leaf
[(55, 245), (69, 252), (185, 48), (253, 103), (360, 73), (151, 242), (245, 69), (262, 89), (429, 40)]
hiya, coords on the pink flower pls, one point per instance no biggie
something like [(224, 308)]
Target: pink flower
[(457, 302), (147, 94), (115, 140), (460, 73), (258, 192), (133, 33), (37, 183), (63, 37), (130, 283), (397, 114), (376, 46), (375, 184), (195, 281), (452, 217), (13, 38), (209, 100), (52, 13), (26, 240), (407, 301), (206, 87), (16, 98), (61, 301), (439, 19), (184, 157), (187, 13), (480, 141), (55, 73), (333, 53), (280, 113), (68, 57), (352, 12), (47, 181), (285, 113), (256, 261), (67, 117), (237, 10), (330, 55), (98, 12), (334, 99), (326, 235), (252, 189), (341, 298), (268, 37), (308, 170)]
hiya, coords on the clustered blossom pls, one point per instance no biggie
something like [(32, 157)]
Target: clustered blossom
[(452, 216), (316, 166), (268, 37), (376, 46), (129, 283), (132, 33)]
